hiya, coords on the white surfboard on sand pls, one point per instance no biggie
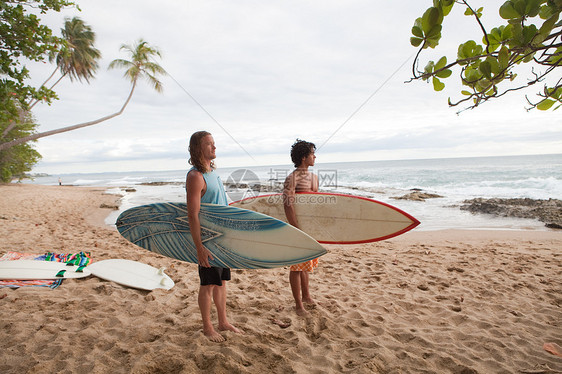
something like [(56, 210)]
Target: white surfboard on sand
[(131, 274), (32, 269), (335, 218)]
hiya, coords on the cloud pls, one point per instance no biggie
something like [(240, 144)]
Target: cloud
[(265, 73)]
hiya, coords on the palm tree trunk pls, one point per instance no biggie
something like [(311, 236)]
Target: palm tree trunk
[(26, 139), (33, 102)]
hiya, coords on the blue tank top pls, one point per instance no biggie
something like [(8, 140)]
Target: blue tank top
[(215, 193)]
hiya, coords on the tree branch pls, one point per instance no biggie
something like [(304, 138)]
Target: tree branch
[(14, 142)]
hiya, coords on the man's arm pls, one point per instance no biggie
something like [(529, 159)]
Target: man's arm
[(314, 182), (289, 188), (195, 184)]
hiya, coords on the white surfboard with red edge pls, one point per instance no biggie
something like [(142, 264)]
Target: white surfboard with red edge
[(337, 218)]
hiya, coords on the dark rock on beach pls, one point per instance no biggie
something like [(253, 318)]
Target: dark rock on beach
[(547, 211), (417, 195)]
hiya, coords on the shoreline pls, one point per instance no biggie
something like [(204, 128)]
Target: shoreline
[(447, 301)]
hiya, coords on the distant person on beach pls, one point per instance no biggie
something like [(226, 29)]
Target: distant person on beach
[(60, 182), (203, 185), (300, 180)]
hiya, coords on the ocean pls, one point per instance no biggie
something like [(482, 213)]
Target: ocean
[(455, 179)]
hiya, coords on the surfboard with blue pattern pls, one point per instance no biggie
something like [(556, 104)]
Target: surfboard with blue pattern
[(237, 238)]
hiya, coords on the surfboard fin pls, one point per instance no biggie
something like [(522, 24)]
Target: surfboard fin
[(161, 271), (60, 274), (163, 282)]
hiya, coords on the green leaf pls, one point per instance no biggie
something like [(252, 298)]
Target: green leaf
[(444, 73), (547, 26), (545, 104), (507, 32), (529, 57), (507, 11), (429, 19), (529, 33), (472, 75), (520, 6), (494, 65), (441, 63), (486, 69), (435, 32), (469, 49), (547, 11), (432, 42), (417, 31), (482, 85), (556, 93), (446, 6), (503, 57), (416, 42), (438, 85), (429, 67), (466, 93), (533, 7)]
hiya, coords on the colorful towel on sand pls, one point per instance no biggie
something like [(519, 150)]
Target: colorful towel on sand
[(79, 259)]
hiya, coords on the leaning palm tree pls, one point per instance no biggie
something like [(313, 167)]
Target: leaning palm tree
[(140, 65), (77, 58)]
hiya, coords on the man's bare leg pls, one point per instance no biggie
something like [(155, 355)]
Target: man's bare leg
[(219, 296), (306, 298), (295, 280), (205, 303)]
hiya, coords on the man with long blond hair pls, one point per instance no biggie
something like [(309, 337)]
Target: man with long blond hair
[(203, 185)]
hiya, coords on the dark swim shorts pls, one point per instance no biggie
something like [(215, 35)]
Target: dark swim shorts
[(213, 275)]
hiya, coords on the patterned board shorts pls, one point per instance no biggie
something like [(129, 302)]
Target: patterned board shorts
[(305, 266)]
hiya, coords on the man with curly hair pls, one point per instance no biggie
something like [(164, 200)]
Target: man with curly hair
[(203, 185), (300, 180)]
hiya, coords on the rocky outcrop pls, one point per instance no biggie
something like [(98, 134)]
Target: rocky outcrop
[(417, 196), (547, 211)]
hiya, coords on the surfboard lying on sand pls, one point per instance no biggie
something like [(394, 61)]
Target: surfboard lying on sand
[(336, 218), (237, 238), (32, 269), (132, 274)]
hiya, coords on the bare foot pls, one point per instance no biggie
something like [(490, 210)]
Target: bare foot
[(302, 312), (214, 336), (282, 324), (229, 327), (553, 348), (309, 303)]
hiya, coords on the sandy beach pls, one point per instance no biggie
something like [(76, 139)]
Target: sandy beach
[(425, 302)]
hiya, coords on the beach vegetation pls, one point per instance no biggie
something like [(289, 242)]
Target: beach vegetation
[(492, 67), (25, 39), (19, 159)]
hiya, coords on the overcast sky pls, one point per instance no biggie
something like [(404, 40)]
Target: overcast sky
[(263, 73)]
